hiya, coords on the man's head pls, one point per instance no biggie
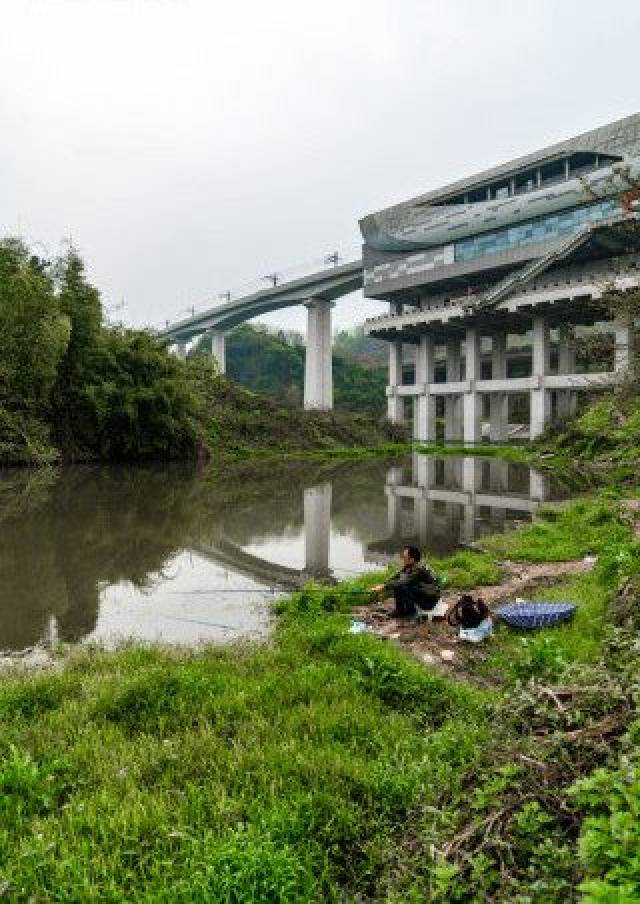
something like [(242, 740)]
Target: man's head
[(410, 555)]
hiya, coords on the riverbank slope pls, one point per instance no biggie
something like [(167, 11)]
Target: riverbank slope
[(328, 763)]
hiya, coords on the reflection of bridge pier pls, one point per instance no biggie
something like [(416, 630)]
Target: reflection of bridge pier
[(451, 495), (317, 529)]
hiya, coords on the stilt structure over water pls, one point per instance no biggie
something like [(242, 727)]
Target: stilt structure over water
[(529, 248)]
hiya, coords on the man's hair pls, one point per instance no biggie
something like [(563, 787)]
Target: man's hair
[(414, 552)]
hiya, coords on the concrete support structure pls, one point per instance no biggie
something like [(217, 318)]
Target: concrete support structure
[(180, 349), (565, 399), (424, 420), (623, 348), (472, 400), (394, 401), (318, 375), (452, 402), (498, 401), (217, 349), (317, 529), (540, 413)]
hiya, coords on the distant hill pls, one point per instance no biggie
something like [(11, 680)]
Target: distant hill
[(273, 364)]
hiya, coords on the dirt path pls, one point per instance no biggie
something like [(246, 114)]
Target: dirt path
[(437, 644)]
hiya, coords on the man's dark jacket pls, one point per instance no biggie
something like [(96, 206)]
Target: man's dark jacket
[(417, 581)]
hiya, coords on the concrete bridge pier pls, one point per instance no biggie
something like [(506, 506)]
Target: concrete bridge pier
[(218, 349), (318, 374), (180, 349), (317, 529)]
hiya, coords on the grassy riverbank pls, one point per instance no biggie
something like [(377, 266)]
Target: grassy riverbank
[(326, 762), (604, 441), (240, 424)]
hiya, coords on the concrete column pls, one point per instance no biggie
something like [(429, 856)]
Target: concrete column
[(623, 348), (424, 423), (537, 486), (180, 349), (423, 471), (540, 401), (393, 512), (318, 376), (452, 419), (217, 349), (394, 401), (317, 528), (566, 365), (421, 518), (472, 406), (498, 401)]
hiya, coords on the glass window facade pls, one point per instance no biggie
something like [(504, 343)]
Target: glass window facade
[(544, 228)]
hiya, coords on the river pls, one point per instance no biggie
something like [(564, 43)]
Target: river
[(166, 554)]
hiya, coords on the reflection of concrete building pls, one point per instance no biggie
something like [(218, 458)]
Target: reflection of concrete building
[(526, 247), (451, 501)]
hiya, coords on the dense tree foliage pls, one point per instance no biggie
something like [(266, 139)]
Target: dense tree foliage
[(70, 384), (273, 364)]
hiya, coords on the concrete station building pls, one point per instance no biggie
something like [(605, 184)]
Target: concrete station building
[(508, 262)]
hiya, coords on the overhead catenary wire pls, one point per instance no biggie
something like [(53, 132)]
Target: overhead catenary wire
[(326, 261)]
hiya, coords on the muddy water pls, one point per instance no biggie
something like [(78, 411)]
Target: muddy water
[(98, 555)]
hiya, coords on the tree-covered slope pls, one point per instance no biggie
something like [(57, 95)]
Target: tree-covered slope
[(240, 423), (273, 364), (73, 387)]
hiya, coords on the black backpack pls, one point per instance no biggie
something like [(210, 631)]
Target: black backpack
[(468, 613)]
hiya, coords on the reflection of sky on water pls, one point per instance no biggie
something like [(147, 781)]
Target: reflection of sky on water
[(195, 602), (99, 554), (347, 553)]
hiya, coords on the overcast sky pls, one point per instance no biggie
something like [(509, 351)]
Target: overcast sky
[(190, 146)]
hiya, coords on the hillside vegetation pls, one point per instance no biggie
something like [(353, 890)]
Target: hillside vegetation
[(239, 423), (273, 364), (605, 437), (74, 388)]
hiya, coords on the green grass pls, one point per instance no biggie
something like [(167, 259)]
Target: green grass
[(520, 655), (520, 453), (564, 533), (275, 774), (321, 766)]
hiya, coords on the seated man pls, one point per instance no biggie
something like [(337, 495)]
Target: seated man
[(414, 586)]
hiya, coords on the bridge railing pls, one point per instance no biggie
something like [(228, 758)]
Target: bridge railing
[(271, 279)]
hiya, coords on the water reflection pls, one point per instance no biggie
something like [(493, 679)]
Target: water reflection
[(442, 503), (167, 554)]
